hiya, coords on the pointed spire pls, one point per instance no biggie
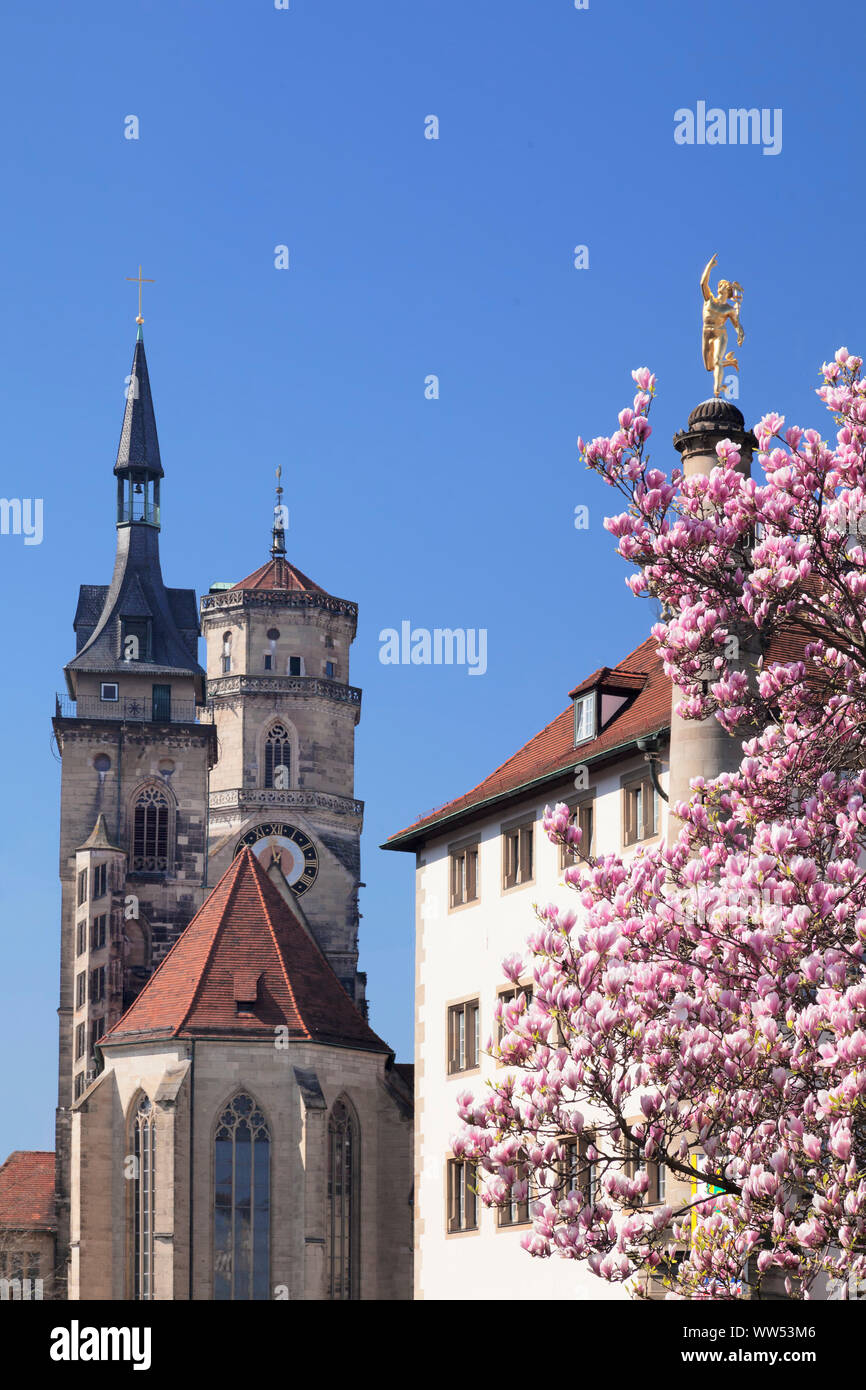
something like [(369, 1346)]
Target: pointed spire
[(278, 535), (99, 837), (139, 445)]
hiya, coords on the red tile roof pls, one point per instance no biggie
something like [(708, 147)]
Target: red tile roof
[(245, 935), (553, 749), (27, 1189), (647, 712), (279, 574)]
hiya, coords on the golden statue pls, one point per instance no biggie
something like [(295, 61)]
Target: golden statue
[(718, 308)]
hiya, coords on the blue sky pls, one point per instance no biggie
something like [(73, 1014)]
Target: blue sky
[(408, 257)]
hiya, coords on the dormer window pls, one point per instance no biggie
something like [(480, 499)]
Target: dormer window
[(584, 718), (135, 639)]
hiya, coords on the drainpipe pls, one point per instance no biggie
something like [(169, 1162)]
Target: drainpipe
[(650, 749)]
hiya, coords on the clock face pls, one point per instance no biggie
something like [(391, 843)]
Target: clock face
[(293, 849)]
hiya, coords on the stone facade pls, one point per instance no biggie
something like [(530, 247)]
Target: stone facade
[(189, 1084)]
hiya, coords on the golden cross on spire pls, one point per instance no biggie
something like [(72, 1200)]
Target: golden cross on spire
[(137, 279)]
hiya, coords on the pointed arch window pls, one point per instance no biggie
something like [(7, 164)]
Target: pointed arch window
[(242, 1203), (278, 756), (143, 1190), (150, 831), (343, 1203)]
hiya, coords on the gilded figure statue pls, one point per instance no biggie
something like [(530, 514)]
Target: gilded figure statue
[(719, 309)]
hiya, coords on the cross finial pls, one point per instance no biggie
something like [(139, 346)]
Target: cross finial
[(137, 279)]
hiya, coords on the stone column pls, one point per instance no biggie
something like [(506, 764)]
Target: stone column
[(702, 748)]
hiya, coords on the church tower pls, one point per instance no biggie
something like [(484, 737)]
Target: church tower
[(135, 762), (285, 717)]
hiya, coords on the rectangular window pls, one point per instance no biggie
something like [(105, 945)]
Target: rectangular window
[(464, 875), (135, 639), (97, 932), (97, 984), (295, 666), (80, 990), (97, 1028), (462, 1199), (330, 669), (100, 880), (79, 1084), (640, 810), (226, 665), (464, 1050), (507, 996), (82, 887), (108, 691), (80, 937), (575, 1171), (583, 816), (513, 1213), (80, 1041), (636, 1164), (160, 704), (269, 662), (584, 718), (517, 866)]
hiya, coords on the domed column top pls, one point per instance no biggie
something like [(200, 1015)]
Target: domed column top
[(710, 423)]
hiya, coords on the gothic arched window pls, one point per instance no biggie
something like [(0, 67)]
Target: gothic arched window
[(150, 823), (278, 755), (242, 1203), (343, 1204), (144, 1171)]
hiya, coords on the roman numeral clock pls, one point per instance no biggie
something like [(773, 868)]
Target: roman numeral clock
[(293, 850)]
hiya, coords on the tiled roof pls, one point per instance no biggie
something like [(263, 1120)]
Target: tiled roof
[(553, 749), (278, 573), (27, 1189), (245, 933), (648, 711)]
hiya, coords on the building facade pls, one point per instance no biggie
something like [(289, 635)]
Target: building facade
[(619, 756)]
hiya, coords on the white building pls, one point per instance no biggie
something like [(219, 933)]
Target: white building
[(483, 860)]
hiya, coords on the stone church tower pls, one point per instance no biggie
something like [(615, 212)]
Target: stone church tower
[(135, 762), (285, 717), (213, 1027)]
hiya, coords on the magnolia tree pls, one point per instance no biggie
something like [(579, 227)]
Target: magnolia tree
[(703, 1007)]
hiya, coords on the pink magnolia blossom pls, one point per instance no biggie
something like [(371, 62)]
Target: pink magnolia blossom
[(709, 996)]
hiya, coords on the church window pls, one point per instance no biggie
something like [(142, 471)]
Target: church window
[(296, 666), (343, 1205), (242, 1203), (144, 1171), (150, 832), (278, 756)]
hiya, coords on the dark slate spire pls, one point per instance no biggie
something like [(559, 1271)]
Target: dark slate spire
[(139, 446), (135, 625)]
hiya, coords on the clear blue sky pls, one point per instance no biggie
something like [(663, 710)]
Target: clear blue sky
[(409, 256)]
